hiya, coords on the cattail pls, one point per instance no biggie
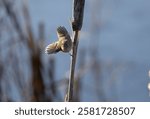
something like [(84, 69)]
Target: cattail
[(64, 42)]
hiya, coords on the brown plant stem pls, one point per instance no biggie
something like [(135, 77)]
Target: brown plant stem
[(78, 11), (72, 70)]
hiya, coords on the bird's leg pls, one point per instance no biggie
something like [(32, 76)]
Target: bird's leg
[(70, 54)]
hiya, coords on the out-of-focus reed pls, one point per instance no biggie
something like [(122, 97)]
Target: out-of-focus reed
[(25, 74)]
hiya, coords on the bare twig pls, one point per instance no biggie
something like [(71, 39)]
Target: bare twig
[(76, 26)]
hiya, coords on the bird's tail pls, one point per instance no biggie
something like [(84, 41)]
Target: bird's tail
[(52, 48)]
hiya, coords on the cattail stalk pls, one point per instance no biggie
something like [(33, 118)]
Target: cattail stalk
[(78, 12)]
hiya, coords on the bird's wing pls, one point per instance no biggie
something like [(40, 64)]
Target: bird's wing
[(61, 31), (53, 48)]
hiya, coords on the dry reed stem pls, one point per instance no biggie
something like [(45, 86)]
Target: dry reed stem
[(38, 86), (78, 12)]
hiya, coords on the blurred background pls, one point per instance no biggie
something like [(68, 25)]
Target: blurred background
[(113, 55)]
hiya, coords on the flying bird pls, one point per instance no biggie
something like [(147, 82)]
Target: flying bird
[(64, 42)]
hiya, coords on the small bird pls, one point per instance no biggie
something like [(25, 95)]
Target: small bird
[(64, 42)]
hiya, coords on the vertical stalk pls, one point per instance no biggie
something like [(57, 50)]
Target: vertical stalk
[(72, 67), (78, 11)]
